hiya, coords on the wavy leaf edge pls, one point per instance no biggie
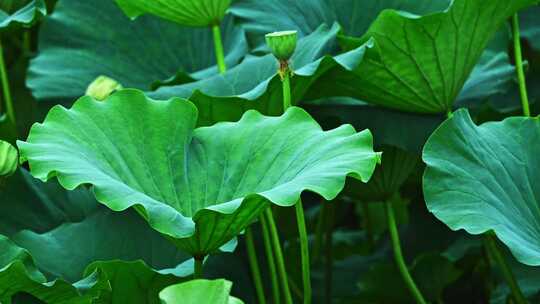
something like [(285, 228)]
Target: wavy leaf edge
[(226, 208)]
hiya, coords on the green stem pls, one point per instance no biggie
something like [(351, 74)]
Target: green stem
[(27, 45), (278, 255), (519, 66), (218, 46), (286, 90), (398, 256), (304, 250), (270, 259), (254, 264), (491, 244), (198, 267), (5, 88), (300, 219)]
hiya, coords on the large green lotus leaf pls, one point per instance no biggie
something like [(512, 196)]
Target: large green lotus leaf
[(423, 66), (19, 274), (305, 16), (16, 14), (185, 12), (199, 291), (202, 186), (482, 178), (407, 131), (99, 40)]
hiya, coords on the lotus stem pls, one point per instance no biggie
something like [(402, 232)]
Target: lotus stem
[(5, 88), (198, 267), (218, 45), (304, 250), (254, 264), (519, 66), (286, 84), (285, 73), (270, 259), (27, 45), (398, 255), (493, 248), (278, 255)]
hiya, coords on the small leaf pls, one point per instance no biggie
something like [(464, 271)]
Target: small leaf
[(102, 87), (482, 178), (199, 186), (199, 291), (184, 12)]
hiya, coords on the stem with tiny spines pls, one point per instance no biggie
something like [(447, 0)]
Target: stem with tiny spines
[(10, 112), (278, 254), (270, 258), (285, 73), (218, 46), (493, 248), (254, 264), (398, 255), (519, 66), (304, 250)]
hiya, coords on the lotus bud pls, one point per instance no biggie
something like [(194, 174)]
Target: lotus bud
[(282, 44), (102, 87), (8, 159)]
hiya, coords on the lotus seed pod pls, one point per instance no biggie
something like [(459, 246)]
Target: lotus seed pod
[(8, 159), (282, 44), (102, 87)]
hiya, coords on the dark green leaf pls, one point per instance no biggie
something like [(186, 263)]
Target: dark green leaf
[(482, 178), (423, 66), (99, 40)]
